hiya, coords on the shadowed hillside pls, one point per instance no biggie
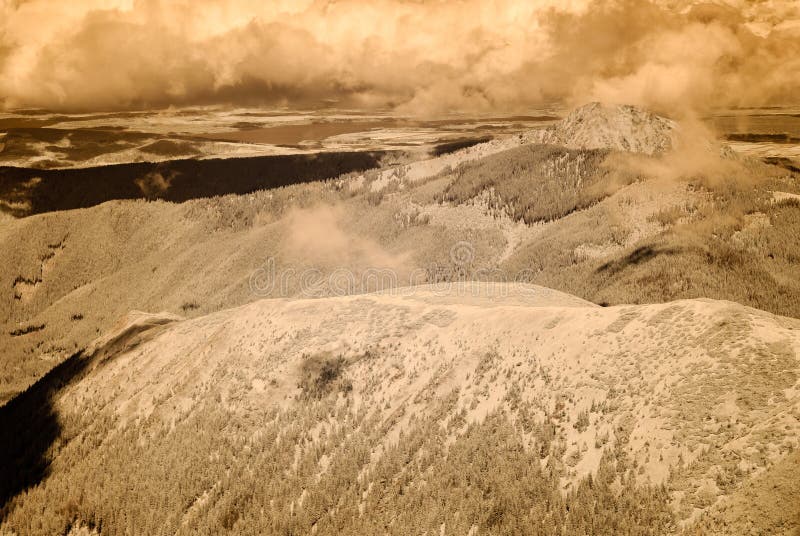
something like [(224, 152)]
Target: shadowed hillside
[(28, 428), (26, 191)]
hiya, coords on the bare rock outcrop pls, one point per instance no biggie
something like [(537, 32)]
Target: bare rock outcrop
[(600, 126)]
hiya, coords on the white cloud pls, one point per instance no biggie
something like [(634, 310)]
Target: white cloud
[(424, 56)]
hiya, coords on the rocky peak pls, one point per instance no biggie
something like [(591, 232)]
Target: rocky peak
[(619, 127)]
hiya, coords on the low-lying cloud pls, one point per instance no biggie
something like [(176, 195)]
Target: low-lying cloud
[(418, 56), (321, 236)]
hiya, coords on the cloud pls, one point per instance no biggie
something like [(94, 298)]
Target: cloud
[(322, 236), (421, 57)]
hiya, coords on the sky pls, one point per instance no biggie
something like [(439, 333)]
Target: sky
[(420, 57)]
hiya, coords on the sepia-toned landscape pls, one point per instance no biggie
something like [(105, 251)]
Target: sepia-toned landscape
[(458, 268)]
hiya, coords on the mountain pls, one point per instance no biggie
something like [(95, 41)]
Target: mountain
[(570, 336), (583, 221), (601, 126), (465, 408)]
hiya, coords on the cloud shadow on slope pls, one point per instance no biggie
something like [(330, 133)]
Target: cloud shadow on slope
[(638, 256), (26, 191)]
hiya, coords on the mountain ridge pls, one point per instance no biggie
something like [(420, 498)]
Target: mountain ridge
[(641, 391)]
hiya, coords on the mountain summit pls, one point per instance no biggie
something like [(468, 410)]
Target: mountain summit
[(366, 414), (600, 126)]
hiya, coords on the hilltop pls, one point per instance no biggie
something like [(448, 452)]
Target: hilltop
[(315, 415), (621, 127)]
